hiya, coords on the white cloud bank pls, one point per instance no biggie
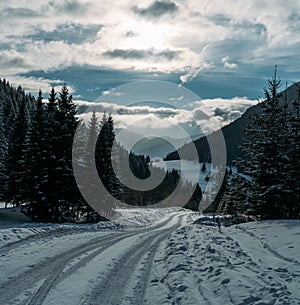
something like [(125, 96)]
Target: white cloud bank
[(200, 116)]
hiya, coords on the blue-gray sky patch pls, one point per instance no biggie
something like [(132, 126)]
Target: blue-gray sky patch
[(19, 12)]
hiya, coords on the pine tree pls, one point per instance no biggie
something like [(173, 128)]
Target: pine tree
[(53, 131), (293, 173), (10, 101), (104, 156), (35, 176), (234, 202), (69, 198), (92, 135), (15, 158), (88, 167), (61, 195), (3, 154), (266, 156)]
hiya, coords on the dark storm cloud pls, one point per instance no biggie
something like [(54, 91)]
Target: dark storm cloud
[(221, 113), (220, 19), (141, 54), (131, 34), (69, 7), (69, 33), (294, 21), (255, 28), (157, 9), (19, 13), (226, 21), (5, 45), (260, 29), (7, 62)]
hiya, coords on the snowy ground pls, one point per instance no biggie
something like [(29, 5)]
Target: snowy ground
[(191, 170), (150, 257), (255, 263)]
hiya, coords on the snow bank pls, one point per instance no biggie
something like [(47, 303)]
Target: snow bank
[(255, 263)]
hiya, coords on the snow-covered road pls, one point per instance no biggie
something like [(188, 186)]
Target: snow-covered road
[(151, 257), (82, 267)]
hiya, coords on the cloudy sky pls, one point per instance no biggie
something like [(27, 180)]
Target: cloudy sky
[(224, 51)]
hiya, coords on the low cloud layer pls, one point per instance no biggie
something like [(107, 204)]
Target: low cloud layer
[(196, 119), (142, 54), (70, 33), (157, 9)]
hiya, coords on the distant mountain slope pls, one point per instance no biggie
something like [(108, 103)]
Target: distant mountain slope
[(234, 133), (148, 146), (156, 147)]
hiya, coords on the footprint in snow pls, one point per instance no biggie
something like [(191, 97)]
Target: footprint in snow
[(225, 281), (181, 288)]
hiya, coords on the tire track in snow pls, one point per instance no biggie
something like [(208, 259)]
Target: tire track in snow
[(56, 278), (268, 247), (51, 268), (111, 289), (140, 288), (262, 276), (52, 233), (46, 268), (56, 232)]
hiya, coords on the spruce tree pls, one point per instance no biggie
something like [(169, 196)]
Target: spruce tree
[(92, 135), (266, 156), (88, 168), (53, 131), (293, 173), (61, 193), (3, 154), (35, 176), (69, 198), (15, 158), (234, 201), (104, 155)]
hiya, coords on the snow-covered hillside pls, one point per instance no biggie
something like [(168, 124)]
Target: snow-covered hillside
[(149, 256)]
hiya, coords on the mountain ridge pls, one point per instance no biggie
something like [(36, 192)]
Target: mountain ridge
[(234, 133)]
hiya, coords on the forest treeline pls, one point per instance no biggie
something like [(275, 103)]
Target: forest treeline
[(36, 172)]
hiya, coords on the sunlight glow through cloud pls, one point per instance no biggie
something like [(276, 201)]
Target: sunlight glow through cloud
[(207, 42)]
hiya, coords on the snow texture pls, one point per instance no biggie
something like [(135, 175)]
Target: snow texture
[(148, 256)]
